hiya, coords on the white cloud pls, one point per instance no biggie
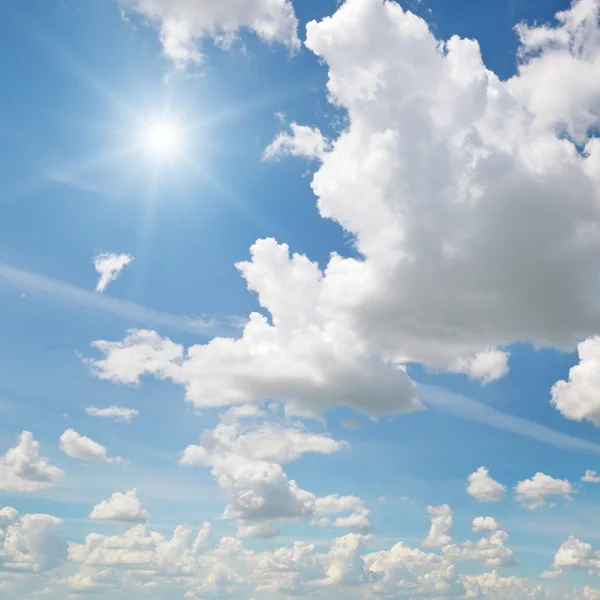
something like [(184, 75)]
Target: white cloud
[(553, 574), (328, 505), (304, 141), (245, 458), (486, 366), (22, 469), (30, 544), (575, 554), (441, 522), (300, 363), (483, 524), (184, 25), (109, 266), (531, 493), (84, 448), (358, 521), (490, 550), (448, 267), (591, 477), (579, 397), (117, 413), (124, 508), (261, 531), (491, 586), (483, 488)]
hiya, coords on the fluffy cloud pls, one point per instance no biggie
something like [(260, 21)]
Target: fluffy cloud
[(483, 524), (579, 397), (84, 448), (483, 488), (125, 508), (486, 366), (245, 457), (335, 503), (117, 413), (490, 550), (590, 477), (29, 544), (448, 265), (358, 521), (494, 587), (109, 266), (22, 469), (441, 522), (531, 493), (300, 141), (575, 554), (183, 24)]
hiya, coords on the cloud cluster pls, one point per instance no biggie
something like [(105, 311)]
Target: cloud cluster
[(183, 25), (29, 544), (437, 177), (245, 453)]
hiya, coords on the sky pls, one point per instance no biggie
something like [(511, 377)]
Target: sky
[(300, 299)]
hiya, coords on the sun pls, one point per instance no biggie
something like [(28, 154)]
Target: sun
[(162, 139)]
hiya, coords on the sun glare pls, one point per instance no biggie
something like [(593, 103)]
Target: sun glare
[(162, 139)]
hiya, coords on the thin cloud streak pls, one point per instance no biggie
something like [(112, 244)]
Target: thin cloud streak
[(468, 409), (59, 290)]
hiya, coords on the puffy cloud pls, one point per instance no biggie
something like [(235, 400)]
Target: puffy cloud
[(494, 587), (84, 448), (183, 25), (490, 550), (301, 141), (586, 593), (328, 505), (579, 397), (261, 531), (411, 572), (483, 488), (553, 574), (451, 211), (575, 554), (441, 522), (139, 547), (22, 469), (29, 544), (591, 477), (245, 457), (88, 580), (486, 366), (308, 364), (117, 413), (531, 493), (483, 524), (109, 266), (358, 521), (125, 508)]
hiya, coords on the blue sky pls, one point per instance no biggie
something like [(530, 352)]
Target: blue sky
[(423, 351)]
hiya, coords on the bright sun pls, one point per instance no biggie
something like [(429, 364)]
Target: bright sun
[(162, 139)]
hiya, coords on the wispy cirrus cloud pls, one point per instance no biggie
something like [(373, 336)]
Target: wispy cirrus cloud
[(86, 299), (466, 408)]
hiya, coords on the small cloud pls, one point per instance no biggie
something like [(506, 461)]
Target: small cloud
[(117, 413), (109, 266)]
